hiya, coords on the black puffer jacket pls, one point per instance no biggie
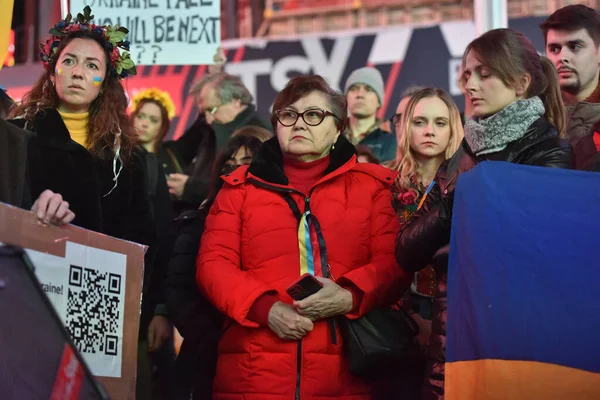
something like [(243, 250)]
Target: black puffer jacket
[(426, 239), (56, 162), (196, 319)]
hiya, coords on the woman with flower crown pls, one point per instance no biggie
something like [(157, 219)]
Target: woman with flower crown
[(430, 131), (84, 147), (152, 111)]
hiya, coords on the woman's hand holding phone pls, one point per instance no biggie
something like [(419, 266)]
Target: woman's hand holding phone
[(330, 301)]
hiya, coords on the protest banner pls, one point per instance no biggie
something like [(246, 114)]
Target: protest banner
[(162, 32), (94, 282)]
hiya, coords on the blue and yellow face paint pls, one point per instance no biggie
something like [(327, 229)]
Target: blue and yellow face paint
[(97, 81), (58, 71)]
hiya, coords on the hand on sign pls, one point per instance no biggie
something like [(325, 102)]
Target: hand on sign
[(287, 323), (50, 208), (176, 183), (330, 301), (158, 332)]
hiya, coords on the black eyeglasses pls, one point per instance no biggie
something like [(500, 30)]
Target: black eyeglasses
[(312, 117), (396, 118)]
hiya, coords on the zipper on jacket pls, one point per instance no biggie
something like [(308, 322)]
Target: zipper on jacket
[(272, 187), (298, 372)]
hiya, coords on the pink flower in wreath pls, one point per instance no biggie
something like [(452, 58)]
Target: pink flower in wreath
[(408, 197), (114, 55), (48, 46)]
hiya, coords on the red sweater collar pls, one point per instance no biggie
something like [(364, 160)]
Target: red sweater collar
[(303, 175)]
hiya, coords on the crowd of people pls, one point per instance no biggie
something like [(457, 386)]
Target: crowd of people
[(239, 207)]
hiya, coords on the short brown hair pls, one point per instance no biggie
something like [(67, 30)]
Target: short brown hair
[(252, 130), (366, 152), (301, 86), (573, 18)]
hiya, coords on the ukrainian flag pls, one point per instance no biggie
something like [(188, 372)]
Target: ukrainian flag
[(524, 285)]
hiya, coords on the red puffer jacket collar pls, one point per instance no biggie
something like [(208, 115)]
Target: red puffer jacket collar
[(250, 247), (268, 166)]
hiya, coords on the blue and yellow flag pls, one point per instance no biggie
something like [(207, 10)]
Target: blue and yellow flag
[(524, 285), (5, 22)]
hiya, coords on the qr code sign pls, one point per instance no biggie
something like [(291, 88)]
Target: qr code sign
[(93, 310)]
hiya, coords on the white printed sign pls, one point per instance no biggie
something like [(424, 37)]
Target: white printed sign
[(87, 289), (162, 32)]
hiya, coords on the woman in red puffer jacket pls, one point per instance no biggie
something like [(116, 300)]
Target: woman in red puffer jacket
[(303, 205)]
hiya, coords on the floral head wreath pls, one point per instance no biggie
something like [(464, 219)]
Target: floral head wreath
[(157, 95), (113, 37)]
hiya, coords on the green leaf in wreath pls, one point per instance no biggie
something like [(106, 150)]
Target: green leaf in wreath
[(80, 18), (123, 29), (116, 36), (69, 17), (119, 69), (55, 32), (132, 71), (128, 63)]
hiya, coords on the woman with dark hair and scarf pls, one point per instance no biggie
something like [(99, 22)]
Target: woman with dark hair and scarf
[(195, 318), (84, 146), (518, 115)]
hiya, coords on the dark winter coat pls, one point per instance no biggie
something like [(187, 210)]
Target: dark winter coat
[(584, 120), (157, 257), (56, 162), (380, 140), (195, 318), (426, 239), (13, 165), (193, 155), (382, 143), (196, 151), (585, 149)]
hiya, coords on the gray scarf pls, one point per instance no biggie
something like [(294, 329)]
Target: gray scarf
[(494, 133)]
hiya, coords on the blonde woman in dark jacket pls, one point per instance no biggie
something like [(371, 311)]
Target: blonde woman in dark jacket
[(517, 117)]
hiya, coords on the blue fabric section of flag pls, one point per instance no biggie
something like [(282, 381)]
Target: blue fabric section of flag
[(309, 250), (524, 267)]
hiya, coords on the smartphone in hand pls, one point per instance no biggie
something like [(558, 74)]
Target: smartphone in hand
[(304, 286)]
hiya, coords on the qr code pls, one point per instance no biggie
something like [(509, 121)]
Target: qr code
[(93, 311)]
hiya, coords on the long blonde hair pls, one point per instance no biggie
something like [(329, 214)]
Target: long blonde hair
[(405, 162)]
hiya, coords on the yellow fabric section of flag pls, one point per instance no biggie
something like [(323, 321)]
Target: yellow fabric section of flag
[(5, 21), (304, 244), (516, 380)]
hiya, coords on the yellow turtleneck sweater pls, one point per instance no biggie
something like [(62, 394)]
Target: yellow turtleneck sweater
[(77, 124)]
